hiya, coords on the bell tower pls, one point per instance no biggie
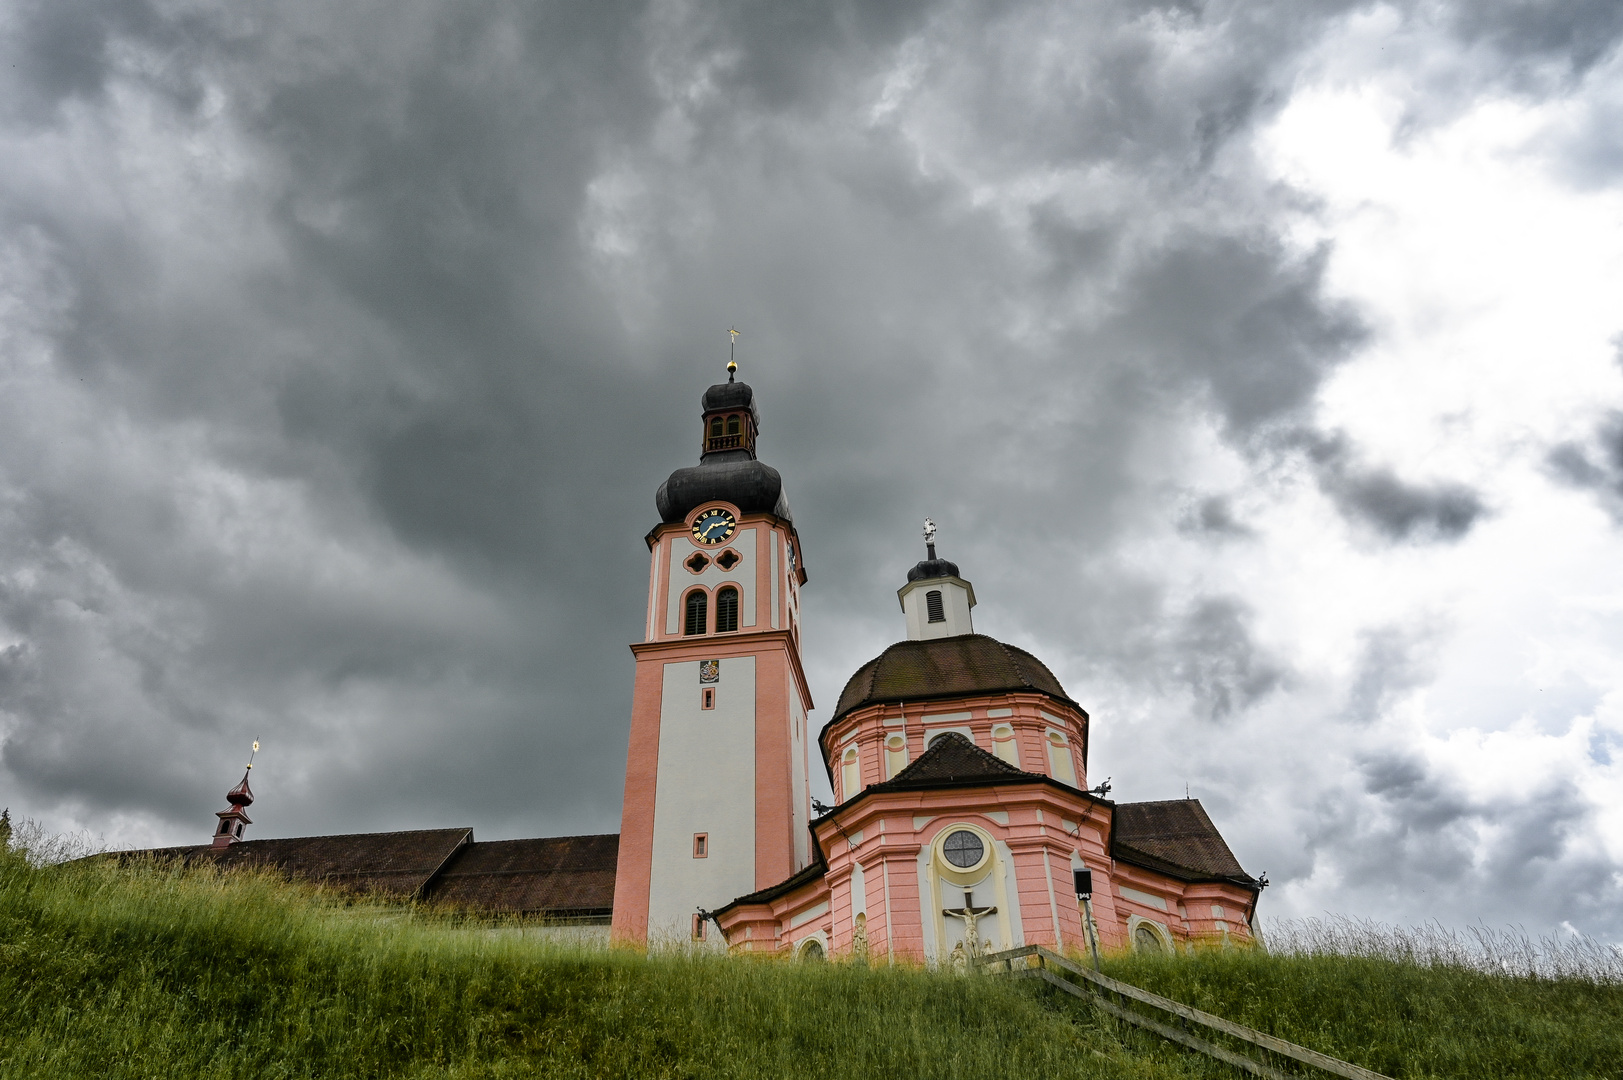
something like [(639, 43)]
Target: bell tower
[(716, 799)]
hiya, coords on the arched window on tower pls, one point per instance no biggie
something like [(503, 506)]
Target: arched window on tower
[(895, 755), (1059, 759), (932, 605), (732, 425), (850, 774), (726, 610), (715, 427), (1004, 746), (698, 612)]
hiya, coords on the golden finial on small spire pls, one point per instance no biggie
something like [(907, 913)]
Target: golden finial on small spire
[(732, 342), (251, 755)]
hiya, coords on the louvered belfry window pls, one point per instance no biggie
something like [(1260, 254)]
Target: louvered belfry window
[(726, 610), (932, 605), (698, 609)]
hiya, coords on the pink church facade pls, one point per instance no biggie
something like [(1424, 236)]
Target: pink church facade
[(959, 763), (984, 764)]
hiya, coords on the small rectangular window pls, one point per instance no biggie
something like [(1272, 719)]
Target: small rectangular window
[(701, 845), (700, 925), (932, 605), (709, 698)]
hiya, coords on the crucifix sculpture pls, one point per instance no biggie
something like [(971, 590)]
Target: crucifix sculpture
[(970, 913)]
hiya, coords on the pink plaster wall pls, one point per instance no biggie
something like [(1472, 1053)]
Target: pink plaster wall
[(1045, 825)]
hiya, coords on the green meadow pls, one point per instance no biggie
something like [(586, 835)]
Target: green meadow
[(144, 970), (1426, 1003)]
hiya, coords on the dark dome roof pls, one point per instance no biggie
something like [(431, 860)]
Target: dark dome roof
[(946, 667), (731, 476), (931, 568), (731, 395)]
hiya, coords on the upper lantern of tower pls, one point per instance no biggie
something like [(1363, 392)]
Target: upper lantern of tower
[(728, 470), (935, 599)]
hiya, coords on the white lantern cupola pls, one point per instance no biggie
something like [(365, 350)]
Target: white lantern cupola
[(935, 599)]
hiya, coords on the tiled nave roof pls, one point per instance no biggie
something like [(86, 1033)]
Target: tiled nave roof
[(564, 877), (1176, 838)]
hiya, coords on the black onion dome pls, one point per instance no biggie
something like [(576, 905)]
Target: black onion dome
[(731, 395), (963, 666), (932, 568), (753, 487)]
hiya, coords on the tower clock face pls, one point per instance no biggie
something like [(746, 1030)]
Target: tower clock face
[(714, 527)]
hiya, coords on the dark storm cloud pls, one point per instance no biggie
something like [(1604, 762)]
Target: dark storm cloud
[(1392, 662), (1597, 466), (1237, 318), (404, 312), (1213, 516), (1575, 35), (1216, 657), (347, 345), (1426, 844), (1377, 498)]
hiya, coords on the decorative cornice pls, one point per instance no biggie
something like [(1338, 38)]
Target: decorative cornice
[(752, 641)]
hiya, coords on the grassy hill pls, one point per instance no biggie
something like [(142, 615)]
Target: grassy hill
[(146, 971), (1406, 1015)]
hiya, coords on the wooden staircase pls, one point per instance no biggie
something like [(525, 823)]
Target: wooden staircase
[(1173, 1021)]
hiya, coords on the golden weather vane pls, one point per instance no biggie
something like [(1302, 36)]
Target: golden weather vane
[(251, 754), (732, 343)]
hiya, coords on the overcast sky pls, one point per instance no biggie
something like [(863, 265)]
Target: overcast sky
[(1261, 363)]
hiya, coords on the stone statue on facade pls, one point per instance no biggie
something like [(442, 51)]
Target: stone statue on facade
[(971, 915)]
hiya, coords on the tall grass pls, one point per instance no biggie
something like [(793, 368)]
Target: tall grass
[(148, 970), (1413, 1001), (1496, 950)]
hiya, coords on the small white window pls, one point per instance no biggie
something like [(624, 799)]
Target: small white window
[(933, 606)]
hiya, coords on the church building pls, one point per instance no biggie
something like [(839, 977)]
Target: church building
[(963, 820)]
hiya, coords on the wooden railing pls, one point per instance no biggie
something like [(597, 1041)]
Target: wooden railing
[(1113, 996), (723, 442)]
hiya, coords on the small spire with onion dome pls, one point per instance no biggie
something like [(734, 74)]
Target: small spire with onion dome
[(235, 818)]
